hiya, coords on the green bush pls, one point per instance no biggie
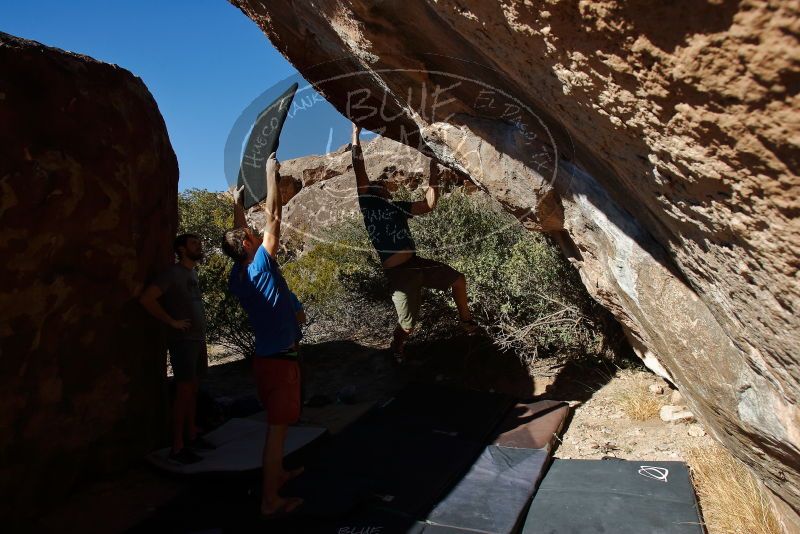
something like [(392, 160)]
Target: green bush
[(520, 286), (342, 265), (205, 213), (226, 321)]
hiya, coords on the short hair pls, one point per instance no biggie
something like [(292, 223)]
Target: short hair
[(232, 243), (181, 241)]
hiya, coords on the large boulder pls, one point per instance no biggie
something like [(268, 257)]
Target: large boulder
[(88, 208), (323, 187), (658, 142)]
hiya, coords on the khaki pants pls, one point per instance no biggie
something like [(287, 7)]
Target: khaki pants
[(407, 280)]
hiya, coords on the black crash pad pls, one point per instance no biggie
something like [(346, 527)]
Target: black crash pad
[(408, 470), (406, 453), (384, 473), (462, 413), (619, 496)]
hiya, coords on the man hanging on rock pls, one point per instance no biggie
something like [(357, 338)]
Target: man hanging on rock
[(175, 300), (257, 282), (387, 225)]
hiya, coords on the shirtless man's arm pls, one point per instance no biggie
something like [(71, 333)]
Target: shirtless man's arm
[(362, 180), (272, 208)]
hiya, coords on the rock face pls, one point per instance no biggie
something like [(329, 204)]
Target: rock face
[(88, 207), (323, 187), (658, 142)]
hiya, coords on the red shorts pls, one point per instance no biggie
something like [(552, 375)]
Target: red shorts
[(278, 383)]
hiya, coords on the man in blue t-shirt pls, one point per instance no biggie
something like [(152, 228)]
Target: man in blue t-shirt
[(386, 221), (257, 282)]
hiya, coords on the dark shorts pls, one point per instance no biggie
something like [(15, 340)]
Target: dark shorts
[(407, 280), (278, 383), (189, 359)]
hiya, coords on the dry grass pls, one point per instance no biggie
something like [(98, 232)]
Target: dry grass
[(731, 498), (638, 403)]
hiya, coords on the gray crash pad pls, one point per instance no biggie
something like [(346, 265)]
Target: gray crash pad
[(619, 496), (493, 494), (240, 444)]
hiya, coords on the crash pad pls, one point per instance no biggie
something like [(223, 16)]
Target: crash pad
[(468, 414), (532, 426), (425, 455), (240, 444), (494, 493), (408, 451), (620, 496), (408, 471)]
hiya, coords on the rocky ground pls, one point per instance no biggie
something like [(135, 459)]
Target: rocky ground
[(602, 426)]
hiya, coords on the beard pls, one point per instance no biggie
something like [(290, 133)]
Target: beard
[(194, 256)]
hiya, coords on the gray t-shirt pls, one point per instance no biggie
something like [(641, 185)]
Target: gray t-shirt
[(182, 300)]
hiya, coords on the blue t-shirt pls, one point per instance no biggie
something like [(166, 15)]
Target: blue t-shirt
[(266, 298)]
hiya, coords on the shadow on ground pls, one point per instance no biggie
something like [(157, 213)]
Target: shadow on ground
[(347, 372), (346, 375)]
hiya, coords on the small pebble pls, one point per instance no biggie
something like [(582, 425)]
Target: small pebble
[(696, 431)]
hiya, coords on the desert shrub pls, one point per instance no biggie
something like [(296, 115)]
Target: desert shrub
[(205, 213), (519, 284), (226, 322), (639, 403), (341, 266)]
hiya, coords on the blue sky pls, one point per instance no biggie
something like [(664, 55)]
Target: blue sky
[(204, 62)]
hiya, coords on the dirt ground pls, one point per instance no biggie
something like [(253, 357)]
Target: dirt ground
[(600, 426)]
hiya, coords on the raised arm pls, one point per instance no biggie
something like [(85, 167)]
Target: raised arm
[(362, 180), (272, 208), (422, 207), (239, 220)]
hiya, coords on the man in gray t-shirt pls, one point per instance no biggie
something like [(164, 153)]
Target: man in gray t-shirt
[(181, 297), (175, 299)]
